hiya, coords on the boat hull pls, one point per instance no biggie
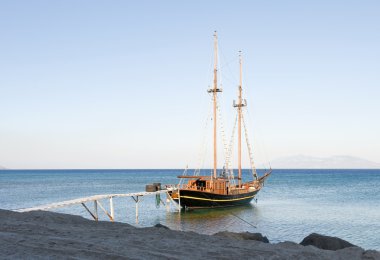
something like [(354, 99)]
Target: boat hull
[(199, 199)]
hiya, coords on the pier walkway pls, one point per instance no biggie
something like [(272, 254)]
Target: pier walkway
[(96, 202)]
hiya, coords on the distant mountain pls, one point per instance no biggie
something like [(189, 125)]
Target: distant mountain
[(334, 162), (2, 168)]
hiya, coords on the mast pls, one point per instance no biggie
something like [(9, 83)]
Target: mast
[(239, 106), (215, 90), (215, 87)]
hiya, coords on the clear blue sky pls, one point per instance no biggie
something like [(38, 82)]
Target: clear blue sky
[(122, 84)]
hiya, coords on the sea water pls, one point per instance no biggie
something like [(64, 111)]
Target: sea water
[(292, 204)]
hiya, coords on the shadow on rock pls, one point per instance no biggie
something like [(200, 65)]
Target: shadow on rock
[(159, 225), (243, 236)]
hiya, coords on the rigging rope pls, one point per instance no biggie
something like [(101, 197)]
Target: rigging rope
[(230, 153), (225, 147), (259, 144), (203, 146), (181, 180), (226, 65), (249, 147)]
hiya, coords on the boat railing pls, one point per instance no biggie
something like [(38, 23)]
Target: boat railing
[(192, 187)]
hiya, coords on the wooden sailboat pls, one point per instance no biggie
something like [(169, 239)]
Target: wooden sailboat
[(220, 189)]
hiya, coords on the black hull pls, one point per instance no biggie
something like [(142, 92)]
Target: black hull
[(199, 199)]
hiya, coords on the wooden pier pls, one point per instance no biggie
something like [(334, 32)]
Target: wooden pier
[(96, 203)]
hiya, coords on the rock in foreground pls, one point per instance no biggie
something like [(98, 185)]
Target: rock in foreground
[(48, 235), (325, 242)]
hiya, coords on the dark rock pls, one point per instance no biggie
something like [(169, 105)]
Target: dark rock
[(371, 254), (161, 226), (243, 236), (325, 242)]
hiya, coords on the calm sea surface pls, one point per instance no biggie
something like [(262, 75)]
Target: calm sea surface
[(293, 203)]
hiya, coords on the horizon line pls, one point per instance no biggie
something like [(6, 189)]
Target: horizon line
[(84, 169)]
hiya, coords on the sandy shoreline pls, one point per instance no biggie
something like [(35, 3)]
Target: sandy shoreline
[(54, 235)]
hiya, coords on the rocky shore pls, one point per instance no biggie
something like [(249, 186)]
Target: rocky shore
[(51, 235)]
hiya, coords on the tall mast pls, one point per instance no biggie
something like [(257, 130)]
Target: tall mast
[(215, 90), (215, 96), (239, 106)]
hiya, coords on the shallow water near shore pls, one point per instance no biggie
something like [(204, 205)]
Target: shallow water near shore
[(293, 203)]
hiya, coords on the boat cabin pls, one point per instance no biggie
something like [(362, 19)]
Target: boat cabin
[(207, 184)]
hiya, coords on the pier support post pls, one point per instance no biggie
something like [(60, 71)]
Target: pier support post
[(112, 209), (105, 211), (168, 202), (179, 201), (126, 209), (137, 210), (89, 211), (96, 210), (137, 207)]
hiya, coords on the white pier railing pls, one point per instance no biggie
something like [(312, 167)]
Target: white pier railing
[(96, 202)]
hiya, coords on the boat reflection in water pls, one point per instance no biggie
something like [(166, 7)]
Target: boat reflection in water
[(209, 221)]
